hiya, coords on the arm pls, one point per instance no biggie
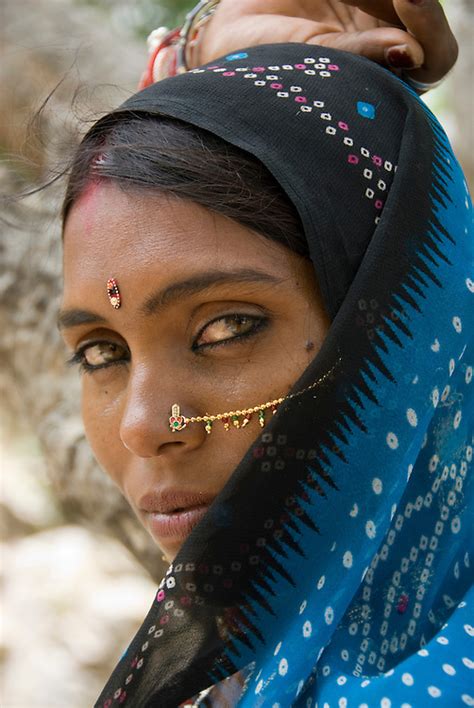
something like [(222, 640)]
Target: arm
[(409, 35)]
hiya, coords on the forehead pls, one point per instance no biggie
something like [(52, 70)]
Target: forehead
[(110, 232)]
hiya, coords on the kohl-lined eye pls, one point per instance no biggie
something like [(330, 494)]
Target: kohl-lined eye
[(97, 355), (228, 328)]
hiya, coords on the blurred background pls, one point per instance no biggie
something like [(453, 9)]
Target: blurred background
[(77, 571)]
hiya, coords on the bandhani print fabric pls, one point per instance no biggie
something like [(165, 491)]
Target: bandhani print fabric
[(335, 567)]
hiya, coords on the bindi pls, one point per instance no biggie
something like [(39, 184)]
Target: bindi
[(113, 293)]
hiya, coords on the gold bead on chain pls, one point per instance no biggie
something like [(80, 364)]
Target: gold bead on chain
[(235, 419)]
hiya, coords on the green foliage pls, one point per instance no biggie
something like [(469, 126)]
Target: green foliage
[(154, 13), (174, 10), (142, 16)]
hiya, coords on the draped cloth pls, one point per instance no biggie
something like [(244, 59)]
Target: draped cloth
[(335, 568)]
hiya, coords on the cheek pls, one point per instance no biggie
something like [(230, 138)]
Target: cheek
[(102, 425), (227, 450)]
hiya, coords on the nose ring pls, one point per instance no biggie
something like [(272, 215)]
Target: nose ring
[(177, 421)]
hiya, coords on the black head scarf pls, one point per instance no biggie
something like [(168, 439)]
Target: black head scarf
[(338, 550)]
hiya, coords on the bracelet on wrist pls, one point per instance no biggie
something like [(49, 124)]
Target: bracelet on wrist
[(170, 49)]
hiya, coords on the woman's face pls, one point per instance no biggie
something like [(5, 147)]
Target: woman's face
[(213, 317)]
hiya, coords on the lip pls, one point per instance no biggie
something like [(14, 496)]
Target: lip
[(165, 501), (176, 525), (172, 513)]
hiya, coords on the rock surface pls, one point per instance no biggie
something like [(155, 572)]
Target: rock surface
[(47, 43)]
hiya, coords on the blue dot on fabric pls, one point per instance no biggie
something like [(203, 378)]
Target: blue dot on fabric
[(235, 57), (366, 110)]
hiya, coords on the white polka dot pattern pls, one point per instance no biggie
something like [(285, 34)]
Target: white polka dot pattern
[(378, 613)]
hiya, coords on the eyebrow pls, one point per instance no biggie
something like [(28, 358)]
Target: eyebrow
[(204, 281), (78, 317), (165, 297)]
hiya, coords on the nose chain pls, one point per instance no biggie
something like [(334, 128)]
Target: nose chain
[(238, 418)]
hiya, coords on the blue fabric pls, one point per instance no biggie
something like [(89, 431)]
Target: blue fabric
[(402, 531), (345, 534)]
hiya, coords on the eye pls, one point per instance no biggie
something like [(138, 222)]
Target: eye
[(226, 329), (98, 355)]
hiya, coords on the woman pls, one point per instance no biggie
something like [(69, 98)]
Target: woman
[(282, 231)]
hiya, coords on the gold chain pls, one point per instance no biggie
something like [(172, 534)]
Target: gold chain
[(178, 422)]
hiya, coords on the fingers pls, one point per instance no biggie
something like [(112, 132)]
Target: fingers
[(425, 20), (372, 28), (381, 9), (384, 45)]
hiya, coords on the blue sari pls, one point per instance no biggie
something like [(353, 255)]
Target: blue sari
[(350, 584)]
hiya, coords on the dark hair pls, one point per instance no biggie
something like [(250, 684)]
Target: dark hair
[(154, 152)]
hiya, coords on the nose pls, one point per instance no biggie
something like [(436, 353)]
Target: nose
[(145, 427)]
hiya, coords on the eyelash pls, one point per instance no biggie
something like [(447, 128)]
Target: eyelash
[(259, 323), (78, 358)]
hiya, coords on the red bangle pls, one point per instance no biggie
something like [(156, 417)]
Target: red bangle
[(148, 78), (169, 57)]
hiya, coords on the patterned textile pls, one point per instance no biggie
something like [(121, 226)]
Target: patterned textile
[(335, 568)]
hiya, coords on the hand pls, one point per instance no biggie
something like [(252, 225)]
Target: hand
[(405, 35)]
